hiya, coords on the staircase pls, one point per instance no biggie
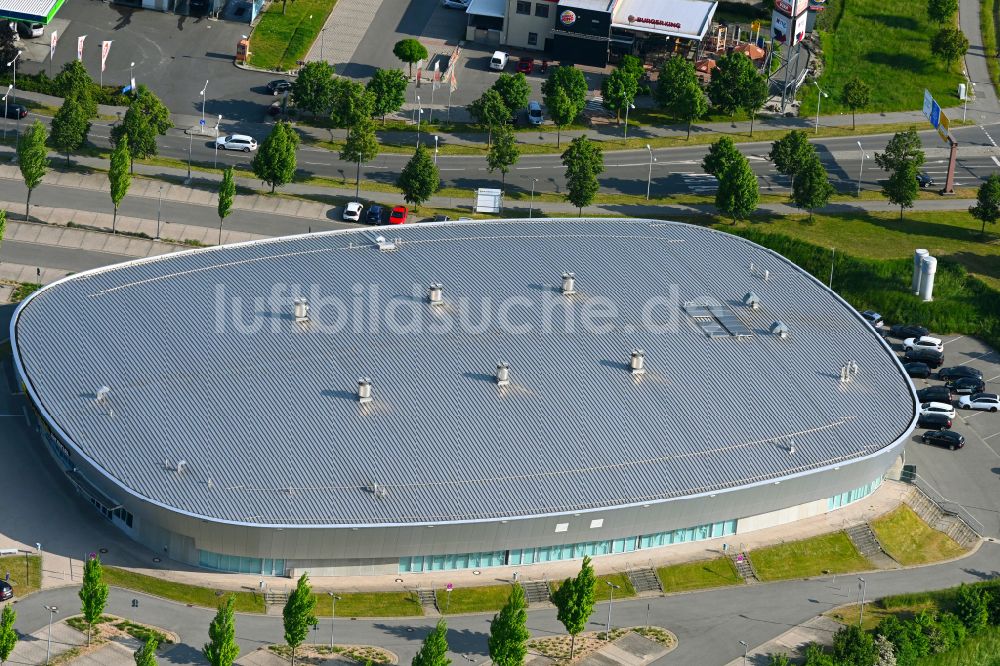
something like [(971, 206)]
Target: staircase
[(535, 591), (275, 597), (744, 567), (864, 539), (428, 600), (644, 580), (940, 519)]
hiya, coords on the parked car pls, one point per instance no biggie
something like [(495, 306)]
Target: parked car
[(525, 64), (872, 317), (934, 394), (279, 86), (275, 109), (946, 374), (946, 438), (535, 116), (924, 179), (398, 215), (967, 385), (499, 60), (924, 341), (236, 142), (986, 401), (16, 111), (439, 218), (934, 421), (917, 370), (352, 211), (931, 357), (30, 29), (938, 408), (376, 215), (904, 331), (6, 591)]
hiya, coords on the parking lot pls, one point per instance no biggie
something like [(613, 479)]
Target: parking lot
[(966, 480)]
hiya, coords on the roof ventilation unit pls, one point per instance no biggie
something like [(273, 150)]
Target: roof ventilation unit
[(385, 245), (301, 310), (569, 283), (435, 294), (778, 328), (751, 300), (848, 371), (364, 390), (181, 466), (638, 362), (102, 395), (503, 374)]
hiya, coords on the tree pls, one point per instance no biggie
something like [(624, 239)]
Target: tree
[(140, 134), (509, 632), (513, 90), (146, 654), (503, 153), (409, 51), (791, 153), (434, 650), (903, 147), (420, 178), (942, 11), (73, 80), (900, 634), (93, 593), (490, 111), (33, 160), (565, 95), (351, 103), (812, 189), (313, 87), (3, 225), (299, 614), (8, 635), (732, 79), (274, 162), (388, 91), (221, 649), (690, 105), (574, 599), (227, 191), (901, 188), (856, 94), (780, 659), (949, 44), (119, 176), (584, 162), (632, 66), (951, 632), (972, 608), (886, 652), (675, 73), (987, 208), (815, 656), (853, 646), (70, 126), (153, 107), (361, 146), (720, 153), (738, 193), (618, 91), (754, 95)]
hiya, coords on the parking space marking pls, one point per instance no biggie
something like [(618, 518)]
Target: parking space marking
[(975, 359), (992, 378), (952, 340), (996, 434)]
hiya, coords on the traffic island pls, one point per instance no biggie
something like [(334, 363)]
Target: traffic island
[(321, 654), (627, 646)]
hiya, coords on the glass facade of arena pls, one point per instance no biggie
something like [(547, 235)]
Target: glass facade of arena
[(235, 564), (843, 499)]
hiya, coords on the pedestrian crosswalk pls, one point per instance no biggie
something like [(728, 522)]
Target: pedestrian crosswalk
[(700, 182)]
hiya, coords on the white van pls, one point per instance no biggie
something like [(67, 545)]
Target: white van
[(499, 60)]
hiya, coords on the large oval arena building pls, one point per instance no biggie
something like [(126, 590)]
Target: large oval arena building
[(458, 395)]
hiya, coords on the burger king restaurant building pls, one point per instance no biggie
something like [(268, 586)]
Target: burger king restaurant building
[(589, 32)]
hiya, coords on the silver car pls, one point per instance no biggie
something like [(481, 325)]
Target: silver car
[(236, 142)]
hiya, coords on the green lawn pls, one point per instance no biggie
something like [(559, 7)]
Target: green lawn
[(832, 553), (981, 650), (698, 575), (473, 599), (988, 28), (909, 540), (246, 602), (887, 44), (25, 572), (280, 40), (370, 604)]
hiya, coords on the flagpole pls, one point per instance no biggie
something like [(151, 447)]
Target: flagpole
[(430, 115)]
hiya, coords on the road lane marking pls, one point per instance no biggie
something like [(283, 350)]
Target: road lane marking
[(995, 160), (994, 143)]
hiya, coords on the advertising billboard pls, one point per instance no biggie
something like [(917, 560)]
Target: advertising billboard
[(787, 30), (791, 7)]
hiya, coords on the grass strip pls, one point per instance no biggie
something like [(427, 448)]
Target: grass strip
[(698, 575), (25, 571), (988, 18), (472, 599), (370, 604), (827, 553), (286, 31), (909, 540), (246, 602), (602, 590)]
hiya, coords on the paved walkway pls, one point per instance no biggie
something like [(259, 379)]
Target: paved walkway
[(31, 649)]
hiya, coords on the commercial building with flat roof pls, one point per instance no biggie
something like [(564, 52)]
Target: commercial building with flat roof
[(458, 395)]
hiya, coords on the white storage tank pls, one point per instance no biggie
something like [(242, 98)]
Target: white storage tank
[(918, 256), (928, 267)]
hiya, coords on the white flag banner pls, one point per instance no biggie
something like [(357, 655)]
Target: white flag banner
[(79, 46), (437, 74), (52, 45), (105, 47)]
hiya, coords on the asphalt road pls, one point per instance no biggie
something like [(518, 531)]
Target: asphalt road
[(70, 259)]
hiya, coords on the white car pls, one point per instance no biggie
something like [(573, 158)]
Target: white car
[(455, 4), (236, 142), (937, 408), (923, 342), (352, 211), (988, 401), (499, 60)]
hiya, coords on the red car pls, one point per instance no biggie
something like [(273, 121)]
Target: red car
[(525, 65), (398, 215)]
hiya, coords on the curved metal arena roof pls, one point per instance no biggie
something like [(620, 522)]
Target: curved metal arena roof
[(206, 363)]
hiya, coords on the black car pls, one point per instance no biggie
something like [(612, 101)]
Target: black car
[(967, 385), (924, 179), (16, 111), (934, 421), (946, 438), (935, 394), (279, 86), (931, 357), (375, 214), (6, 591), (872, 317), (903, 331), (917, 370), (949, 374)]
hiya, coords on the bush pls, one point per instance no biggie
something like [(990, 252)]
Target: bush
[(972, 607), (41, 83)]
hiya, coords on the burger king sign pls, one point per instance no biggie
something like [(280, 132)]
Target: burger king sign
[(568, 17)]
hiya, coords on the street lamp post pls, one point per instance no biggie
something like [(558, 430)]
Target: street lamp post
[(159, 205), (531, 201), (203, 91), (435, 149), (9, 88), (610, 603), (48, 642), (190, 146), (13, 87), (820, 94), (649, 178), (131, 75), (322, 43), (862, 168), (862, 588), (965, 107), (420, 113), (746, 648), (333, 614), (630, 106)]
